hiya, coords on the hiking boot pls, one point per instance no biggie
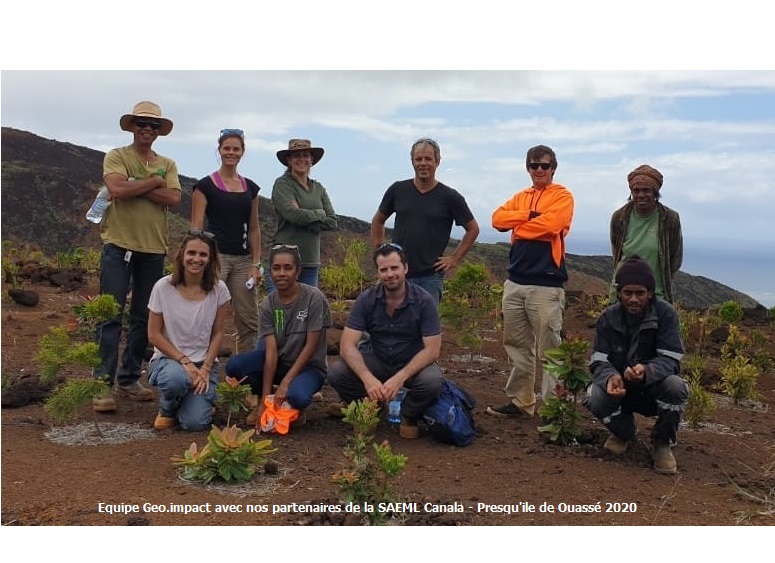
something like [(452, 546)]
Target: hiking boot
[(664, 461), (104, 404), (408, 429), (135, 391), (616, 445), (164, 422), (335, 409), (509, 410)]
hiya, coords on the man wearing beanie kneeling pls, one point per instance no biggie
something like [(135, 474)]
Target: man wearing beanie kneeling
[(636, 366)]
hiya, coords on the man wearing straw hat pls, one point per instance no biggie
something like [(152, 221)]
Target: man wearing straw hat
[(142, 185)]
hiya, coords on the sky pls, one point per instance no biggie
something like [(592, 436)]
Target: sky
[(350, 76), (711, 134)]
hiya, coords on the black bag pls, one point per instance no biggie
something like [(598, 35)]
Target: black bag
[(449, 418)]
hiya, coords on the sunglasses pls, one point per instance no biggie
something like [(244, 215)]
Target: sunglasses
[(228, 132), (143, 123), (200, 233), (541, 165), (390, 245)]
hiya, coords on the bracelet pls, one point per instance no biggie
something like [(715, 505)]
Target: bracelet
[(257, 265), (184, 357)]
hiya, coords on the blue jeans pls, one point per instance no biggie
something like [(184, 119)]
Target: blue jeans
[(433, 284), (142, 270), (176, 397), (308, 275), (251, 364)]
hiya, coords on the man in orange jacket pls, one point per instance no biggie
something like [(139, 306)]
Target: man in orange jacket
[(539, 218)]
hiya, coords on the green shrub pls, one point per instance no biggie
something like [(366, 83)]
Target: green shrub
[(563, 419), (739, 378), (700, 403), (229, 455), (731, 312), (468, 298), (63, 403), (368, 467), (231, 395), (346, 278)]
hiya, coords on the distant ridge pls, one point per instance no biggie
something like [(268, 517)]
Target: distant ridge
[(48, 185)]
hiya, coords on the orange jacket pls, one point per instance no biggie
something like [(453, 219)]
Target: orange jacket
[(554, 208)]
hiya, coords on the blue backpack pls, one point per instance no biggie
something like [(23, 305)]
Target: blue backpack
[(449, 418)]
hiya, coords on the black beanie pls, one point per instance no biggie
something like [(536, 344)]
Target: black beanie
[(635, 271)]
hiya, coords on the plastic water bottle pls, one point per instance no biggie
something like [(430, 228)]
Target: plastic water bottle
[(97, 209), (394, 408)]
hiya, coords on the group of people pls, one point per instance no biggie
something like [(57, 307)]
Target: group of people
[(392, 338)]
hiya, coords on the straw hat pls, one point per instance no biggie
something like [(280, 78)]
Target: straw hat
[(300, 145), (149, 110)]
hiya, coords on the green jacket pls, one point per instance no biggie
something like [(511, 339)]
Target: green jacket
[(301, 226), (671, 246)]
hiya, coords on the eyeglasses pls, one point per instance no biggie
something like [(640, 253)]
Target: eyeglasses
[(228, 132), (541, 165), (390, 245), (200, 233), (143, 123)]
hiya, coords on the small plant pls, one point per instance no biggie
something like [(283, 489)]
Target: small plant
[(231, 394), (53, 352), (562, 416), (467, 297), (346, 278), (730, 312), (700, 403), (69, 397), (229, 454), (736, 344), (739, 378), (568, 363), (366, 476)]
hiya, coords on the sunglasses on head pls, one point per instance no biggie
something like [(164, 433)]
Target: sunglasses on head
[(390, 245), (285, 247), (143, 123), (229, 132), (200, 233), (541, 165)]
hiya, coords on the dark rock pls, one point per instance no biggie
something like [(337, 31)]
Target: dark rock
[(271, 467), (23, 392), (26, 297)]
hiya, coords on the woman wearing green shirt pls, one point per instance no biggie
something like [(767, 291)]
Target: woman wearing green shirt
[(302, 207)]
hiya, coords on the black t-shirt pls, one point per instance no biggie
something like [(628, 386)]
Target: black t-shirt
[(228, 215), (424, 221)]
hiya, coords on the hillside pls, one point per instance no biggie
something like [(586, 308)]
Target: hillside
[(48, 185)]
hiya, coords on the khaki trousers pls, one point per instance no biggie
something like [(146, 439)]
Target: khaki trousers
[(235, 271), (532, 320)]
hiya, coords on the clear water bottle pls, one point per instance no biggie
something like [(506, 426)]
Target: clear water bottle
[(97, 209), (394, 407)]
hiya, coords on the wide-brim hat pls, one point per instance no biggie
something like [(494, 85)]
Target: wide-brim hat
[(149, 110), (300, 145)]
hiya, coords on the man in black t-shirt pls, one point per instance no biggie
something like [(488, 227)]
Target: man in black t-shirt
[(425, 211)]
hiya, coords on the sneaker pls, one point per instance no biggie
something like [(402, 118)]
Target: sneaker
[(335, 409), (408, 429), (616, 445), (164, 422), (509, 410), (664, 461), (135, 391), (104, 404)]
